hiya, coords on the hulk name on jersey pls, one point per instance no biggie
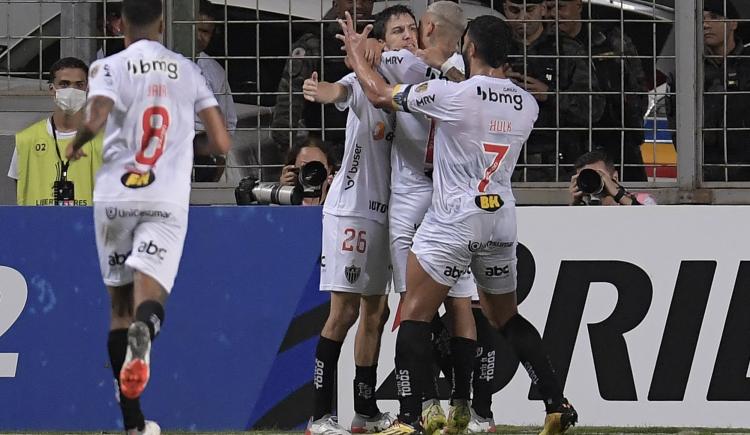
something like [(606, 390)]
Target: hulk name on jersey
[(472, 172), (411, 159), (148, 143), (361, 187)]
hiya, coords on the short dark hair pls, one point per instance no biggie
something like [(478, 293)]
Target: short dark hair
[(313, 142), (208, 9), (141, 13), (593, 157), (65, 63), (492, 38), (381, 19)]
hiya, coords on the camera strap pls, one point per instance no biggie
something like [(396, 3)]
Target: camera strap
[(63, 165)]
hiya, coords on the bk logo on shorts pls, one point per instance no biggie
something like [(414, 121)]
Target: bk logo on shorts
[(488, 202)]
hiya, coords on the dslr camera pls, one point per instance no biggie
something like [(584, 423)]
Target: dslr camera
[(591, 184), (308, 184)]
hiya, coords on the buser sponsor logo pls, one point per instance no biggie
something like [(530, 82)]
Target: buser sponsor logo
[(354, 168), (152, 248), (146, 66), (488, 202), (501, 97)]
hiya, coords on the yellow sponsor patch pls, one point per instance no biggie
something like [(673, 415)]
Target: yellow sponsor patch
[(491, 202), (135, 180)]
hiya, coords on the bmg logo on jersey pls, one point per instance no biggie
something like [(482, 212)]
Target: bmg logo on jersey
[(141, 66), (152, 248), (501, 97)]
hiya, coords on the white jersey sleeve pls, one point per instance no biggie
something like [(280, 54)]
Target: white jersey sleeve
[(403, 66), (437, 99), (354, 99), (104, 81)]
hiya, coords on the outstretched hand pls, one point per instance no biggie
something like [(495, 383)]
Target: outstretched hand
[(354, 43)]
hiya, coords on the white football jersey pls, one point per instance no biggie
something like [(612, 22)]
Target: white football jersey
[(362, 185), (148, 140), (481, 126), (411, 159)]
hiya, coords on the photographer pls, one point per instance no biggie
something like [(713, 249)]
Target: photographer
[(311, 149), (43, 175), (596, 182)]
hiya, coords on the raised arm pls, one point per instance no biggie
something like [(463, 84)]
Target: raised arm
[(97, 112), (213, 121), (323, 92), (376, 89)]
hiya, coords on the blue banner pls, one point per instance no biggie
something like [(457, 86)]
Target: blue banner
[(237, 345)]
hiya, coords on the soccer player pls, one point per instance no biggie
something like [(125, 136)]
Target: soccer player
[(440, 29), (481, 125), (148, 97), (355, 266)]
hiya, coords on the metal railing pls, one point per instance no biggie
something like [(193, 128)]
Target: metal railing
[(257, 45)]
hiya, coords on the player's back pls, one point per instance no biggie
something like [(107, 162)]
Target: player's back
[(148, 145), (482, 124)]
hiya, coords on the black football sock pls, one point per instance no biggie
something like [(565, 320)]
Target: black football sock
[(151, 313), (527, 343), (413, 368), (484, 366), (326, 358), (365, 379), (117, 344), (463, 353)]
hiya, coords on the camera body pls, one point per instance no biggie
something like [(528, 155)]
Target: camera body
[(308, 184), (63, 192)]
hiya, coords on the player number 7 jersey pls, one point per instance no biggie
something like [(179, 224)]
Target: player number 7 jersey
[(481, 126)]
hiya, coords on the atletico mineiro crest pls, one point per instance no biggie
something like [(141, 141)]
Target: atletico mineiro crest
[(352, 273)]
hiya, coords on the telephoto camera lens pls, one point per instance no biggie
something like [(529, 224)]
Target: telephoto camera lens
[(312, 174), (590, 182)]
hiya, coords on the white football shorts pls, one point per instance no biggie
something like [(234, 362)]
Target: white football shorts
[(143, 236), (405, 215), (484, 242), (355, 255)]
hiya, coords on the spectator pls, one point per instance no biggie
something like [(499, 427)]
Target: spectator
[(213, 165), (619, 70), (311, 149), (725, 70), (109, 21), (540, 76), (605, 191), (38, 164), (291, 110)]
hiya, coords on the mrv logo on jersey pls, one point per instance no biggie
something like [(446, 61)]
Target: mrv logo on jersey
[(145, 66), (501, 97)]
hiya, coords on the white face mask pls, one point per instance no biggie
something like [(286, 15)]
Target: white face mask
[(70, 100)]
